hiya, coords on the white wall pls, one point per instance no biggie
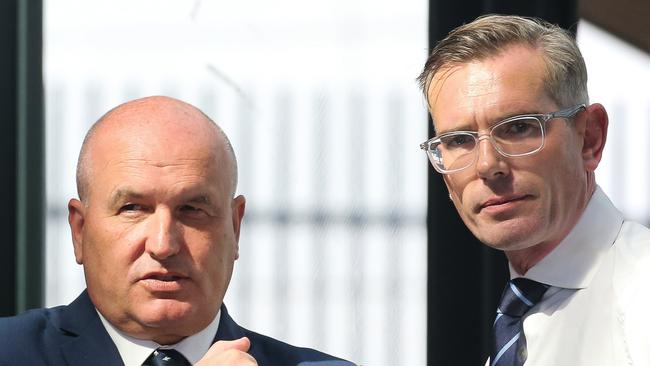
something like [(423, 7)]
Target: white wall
[(619, 76)]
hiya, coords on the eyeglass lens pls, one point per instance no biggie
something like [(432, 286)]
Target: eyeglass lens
[(515, 137)]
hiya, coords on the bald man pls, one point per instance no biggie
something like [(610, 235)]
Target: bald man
[(156, 229)]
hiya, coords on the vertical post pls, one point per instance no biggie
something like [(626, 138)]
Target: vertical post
[(30, 185), (8, 156)]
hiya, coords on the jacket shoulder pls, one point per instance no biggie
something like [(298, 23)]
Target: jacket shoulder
[(272, 352), (29, 325), (268, 351), (28, 336)]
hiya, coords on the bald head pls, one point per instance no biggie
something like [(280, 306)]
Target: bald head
[(173, 122)]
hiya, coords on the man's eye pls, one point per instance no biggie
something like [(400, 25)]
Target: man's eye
[(132, 210), (461, 140), (456, 141), (131, 207), (191, 210), (522, 128), (518, 128)]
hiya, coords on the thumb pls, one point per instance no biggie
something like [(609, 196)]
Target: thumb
[(242, 344)]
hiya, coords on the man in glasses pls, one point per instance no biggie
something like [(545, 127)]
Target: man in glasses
[(517, 143)]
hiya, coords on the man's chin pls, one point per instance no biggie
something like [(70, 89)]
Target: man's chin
[(507, 236), (508, 245), (165, 312)]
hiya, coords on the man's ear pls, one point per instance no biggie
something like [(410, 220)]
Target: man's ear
[(595, 135), (238, 209), (76, 219)]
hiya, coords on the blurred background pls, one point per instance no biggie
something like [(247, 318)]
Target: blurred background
[(321, 106), (349, 244)]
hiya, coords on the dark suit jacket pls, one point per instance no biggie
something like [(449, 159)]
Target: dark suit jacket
[(74, 335)]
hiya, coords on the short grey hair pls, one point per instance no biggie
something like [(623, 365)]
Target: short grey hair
[(566, 74)]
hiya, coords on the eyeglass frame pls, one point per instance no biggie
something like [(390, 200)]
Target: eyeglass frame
[(542, 118)]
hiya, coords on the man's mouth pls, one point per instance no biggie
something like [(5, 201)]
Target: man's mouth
[(497, 202), (165, 278), (164, 281)]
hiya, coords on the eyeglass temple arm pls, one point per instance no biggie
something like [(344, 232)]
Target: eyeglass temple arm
[(570, 112)]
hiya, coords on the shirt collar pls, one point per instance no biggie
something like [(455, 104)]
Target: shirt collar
[(574, 262), (135, 351)]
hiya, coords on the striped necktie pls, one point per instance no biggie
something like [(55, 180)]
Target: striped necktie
[(166, 357), (509, 343)]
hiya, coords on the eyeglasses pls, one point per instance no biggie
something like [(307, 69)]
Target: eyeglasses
[(513, 137)]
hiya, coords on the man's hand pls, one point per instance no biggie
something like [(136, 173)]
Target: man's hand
[(229, 353)]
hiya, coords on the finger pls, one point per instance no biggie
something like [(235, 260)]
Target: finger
[(242, 344)]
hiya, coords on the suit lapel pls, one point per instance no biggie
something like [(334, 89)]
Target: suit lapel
[(228, 330), (88, 342)]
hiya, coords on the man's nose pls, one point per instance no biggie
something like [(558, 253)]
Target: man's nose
[(164, 237), (490, 163)]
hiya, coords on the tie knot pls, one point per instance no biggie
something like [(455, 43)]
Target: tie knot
[(166, 357), (520, 295)]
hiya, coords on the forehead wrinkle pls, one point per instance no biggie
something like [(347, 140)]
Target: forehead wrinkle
[(476, 85), (481, 85), (166, 164)]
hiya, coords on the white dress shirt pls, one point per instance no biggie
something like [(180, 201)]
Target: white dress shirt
[(597, 310), (135, 351)]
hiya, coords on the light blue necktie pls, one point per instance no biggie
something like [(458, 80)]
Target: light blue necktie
[(509, 343)]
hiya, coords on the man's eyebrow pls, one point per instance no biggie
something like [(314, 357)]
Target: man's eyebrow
[(201, 198), (123, 194), (505, 116), (516, 113), (463, 127)]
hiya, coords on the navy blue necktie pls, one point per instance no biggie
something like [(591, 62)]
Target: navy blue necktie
[(509, 343), (166, 357)]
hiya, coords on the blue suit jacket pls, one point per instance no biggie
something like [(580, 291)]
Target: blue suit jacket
[(73, 335)]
